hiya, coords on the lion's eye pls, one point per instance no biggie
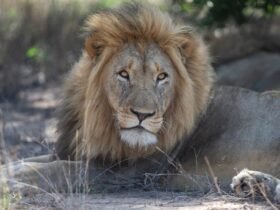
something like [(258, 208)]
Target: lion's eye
[(124, 74), (162, 76)]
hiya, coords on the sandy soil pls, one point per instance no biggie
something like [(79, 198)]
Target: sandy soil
[(137, 200)]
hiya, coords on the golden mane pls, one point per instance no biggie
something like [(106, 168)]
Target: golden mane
[(86, 125)]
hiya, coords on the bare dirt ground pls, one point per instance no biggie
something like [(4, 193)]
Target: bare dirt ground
[(137, 200), (30, 123), (30, 131)]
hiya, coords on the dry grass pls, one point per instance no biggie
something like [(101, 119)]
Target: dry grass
[(79, 195), (128, 199)]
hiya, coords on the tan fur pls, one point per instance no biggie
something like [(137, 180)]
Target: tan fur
[(87, 127)]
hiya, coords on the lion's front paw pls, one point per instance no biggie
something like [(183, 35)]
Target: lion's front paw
[(252, 183)]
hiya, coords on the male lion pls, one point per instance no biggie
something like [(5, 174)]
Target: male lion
[(142, 86)]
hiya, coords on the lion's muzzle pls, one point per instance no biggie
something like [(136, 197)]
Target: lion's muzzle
[(139, 127)]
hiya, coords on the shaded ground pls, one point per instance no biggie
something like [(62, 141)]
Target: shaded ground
[(30, 123)]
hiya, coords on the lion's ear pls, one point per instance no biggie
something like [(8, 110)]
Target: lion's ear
[(93, 47), (187, 45)]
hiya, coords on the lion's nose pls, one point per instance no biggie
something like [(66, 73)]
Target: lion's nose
[(142, 116)]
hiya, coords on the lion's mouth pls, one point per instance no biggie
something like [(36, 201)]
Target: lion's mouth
[(137, 136), (137, 127), (134, 127)]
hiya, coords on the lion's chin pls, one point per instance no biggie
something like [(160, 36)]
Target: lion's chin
[(138, 137)]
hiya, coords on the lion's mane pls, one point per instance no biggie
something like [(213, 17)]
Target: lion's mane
[(86, 124)]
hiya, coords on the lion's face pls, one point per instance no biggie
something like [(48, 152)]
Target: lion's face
[(140, 87), (142, 83)]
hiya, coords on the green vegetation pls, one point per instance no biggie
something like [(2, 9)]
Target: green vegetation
[(7, 198), (219, 12)]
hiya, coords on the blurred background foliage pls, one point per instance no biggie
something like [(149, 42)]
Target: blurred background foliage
[(40, 40), (218, 12)]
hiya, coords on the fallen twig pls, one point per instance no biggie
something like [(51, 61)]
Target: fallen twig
[(215, 179)]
